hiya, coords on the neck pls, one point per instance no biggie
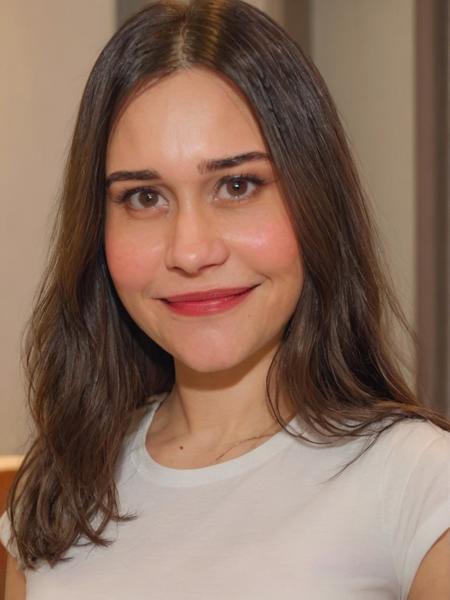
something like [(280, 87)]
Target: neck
[(219, 408)]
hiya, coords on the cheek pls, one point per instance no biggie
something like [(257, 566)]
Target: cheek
[(132, 260), (273, 246)]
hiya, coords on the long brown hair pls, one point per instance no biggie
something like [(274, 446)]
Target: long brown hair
[(89, 367)]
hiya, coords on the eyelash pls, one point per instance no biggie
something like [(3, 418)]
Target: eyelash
[(124, 196)]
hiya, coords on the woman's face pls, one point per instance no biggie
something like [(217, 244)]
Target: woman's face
[(176, 226)]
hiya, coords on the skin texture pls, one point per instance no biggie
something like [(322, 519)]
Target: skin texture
[(195, 236), (432, 579), (15, 583)]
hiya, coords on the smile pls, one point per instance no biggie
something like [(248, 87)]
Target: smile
[(208, 305)]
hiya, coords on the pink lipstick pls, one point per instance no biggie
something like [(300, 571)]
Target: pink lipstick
[(207, 302)]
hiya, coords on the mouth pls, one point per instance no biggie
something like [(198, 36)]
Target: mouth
[(207, 295), (207, 302)]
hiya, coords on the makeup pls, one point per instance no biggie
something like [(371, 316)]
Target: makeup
[(208, 306)]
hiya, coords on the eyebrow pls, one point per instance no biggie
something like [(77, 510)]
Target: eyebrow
[(205, 166)]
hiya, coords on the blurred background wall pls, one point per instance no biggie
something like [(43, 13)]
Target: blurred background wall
[(47, 49), (370, 54)]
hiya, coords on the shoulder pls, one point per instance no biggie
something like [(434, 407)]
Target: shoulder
[(432, 579), (134, 436), (394, 448), (7, 540), (407, 440), (414, 475), (412, 453)]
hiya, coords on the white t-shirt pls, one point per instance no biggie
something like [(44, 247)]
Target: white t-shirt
[(266, 525)]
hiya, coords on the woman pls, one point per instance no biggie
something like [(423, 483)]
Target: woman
[(218, 410)]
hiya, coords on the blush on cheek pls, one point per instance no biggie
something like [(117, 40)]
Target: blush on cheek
[(274, 244), (126, 262)]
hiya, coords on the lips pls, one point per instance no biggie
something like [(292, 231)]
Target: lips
[(207, 295), (207, 303)]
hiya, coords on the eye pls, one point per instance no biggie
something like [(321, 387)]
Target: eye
[(140, 198), (237, 186)]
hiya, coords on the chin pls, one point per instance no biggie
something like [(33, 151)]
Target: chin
[(209, 360), (208, 365)]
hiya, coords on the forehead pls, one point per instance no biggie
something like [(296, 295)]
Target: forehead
[(187, 116)]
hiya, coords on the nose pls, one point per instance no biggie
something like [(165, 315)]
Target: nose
[(195, 242)]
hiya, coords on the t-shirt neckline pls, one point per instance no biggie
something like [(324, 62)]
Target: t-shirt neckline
[(170, 477)]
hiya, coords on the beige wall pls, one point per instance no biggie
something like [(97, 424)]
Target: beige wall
[(47, 49), (366, 52), (275, 8)]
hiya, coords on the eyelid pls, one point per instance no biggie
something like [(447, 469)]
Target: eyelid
[(252, 178), (123, 196)]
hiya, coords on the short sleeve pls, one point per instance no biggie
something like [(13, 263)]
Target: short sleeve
[(5, 534), (416, 497)]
